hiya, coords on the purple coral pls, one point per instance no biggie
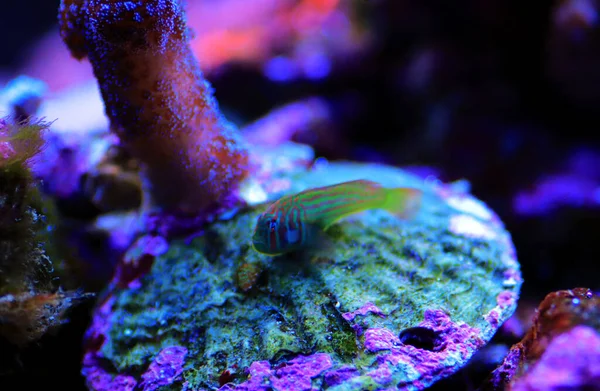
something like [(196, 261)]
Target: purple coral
[(296, 375), (560, 350), (340, 375), (362, 311), (165, 368), (99, 379), (506, 299), (571, 361), (452, 340)]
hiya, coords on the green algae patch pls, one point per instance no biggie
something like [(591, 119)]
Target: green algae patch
[(391, 304)]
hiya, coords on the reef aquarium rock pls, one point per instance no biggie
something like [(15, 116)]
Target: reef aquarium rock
[(561, 350), (383, 304), (390, 304)]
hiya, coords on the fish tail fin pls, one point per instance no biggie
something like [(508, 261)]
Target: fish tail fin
[(404, 202)]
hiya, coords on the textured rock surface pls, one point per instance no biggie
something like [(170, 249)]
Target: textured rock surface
[(561, 350), (391, 305)]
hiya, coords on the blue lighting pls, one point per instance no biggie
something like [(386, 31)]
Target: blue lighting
[(317, 66), (280, 69)]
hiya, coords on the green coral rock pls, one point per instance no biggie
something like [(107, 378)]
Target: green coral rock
[(392, 305)]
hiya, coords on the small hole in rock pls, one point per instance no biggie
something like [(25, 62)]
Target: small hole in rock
[(226, 377), (420, 338)]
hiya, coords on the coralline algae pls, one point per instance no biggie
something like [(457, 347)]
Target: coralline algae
[(561, 350), (571, 361), (392, 305)]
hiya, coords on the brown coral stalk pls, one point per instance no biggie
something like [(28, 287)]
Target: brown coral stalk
[(157, 100)]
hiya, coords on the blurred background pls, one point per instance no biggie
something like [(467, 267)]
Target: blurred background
[(501, 93)]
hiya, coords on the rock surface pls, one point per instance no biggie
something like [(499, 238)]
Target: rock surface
[(391, 305), (561, 350)]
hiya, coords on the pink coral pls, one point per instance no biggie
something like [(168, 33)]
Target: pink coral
[(452, 339), (363, 311), (164, 370), (296, 375), (100, 380), (166, 367), (558, 348), (571, 361)]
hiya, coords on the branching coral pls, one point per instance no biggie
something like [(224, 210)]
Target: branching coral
[(29, 301), (157, 101)]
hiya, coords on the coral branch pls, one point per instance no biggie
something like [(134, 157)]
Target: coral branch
[(157, 101)]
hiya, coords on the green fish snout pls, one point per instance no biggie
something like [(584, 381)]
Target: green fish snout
[(260, 237)]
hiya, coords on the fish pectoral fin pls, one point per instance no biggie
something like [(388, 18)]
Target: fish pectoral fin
[(327, 224), (322, 242)]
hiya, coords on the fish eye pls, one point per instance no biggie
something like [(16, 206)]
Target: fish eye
[(272, 225)]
